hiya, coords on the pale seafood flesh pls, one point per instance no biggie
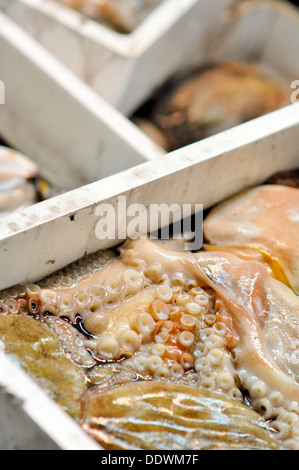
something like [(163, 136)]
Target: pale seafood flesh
[(181, 333), (20, 182), (208, 101), (123, 15)]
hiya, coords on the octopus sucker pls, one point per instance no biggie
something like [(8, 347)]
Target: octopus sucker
[(261, 352), (73, 343), (219, 324)]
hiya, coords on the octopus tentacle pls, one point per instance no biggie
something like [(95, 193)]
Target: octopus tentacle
[(204, 320)]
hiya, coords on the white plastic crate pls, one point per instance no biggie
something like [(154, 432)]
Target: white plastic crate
[(50, 115), (51, 234), (75, 136), (123, 69)]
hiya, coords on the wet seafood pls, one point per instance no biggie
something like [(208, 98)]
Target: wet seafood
[(216, 329), (16, 174), (20, 183), (118, 418), (210, 101), (123, 15), (264, 314), (286, 178)]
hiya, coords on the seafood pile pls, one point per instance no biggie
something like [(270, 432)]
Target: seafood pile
[(148, 347), (208, 101), (122, 15), (20, 183)]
